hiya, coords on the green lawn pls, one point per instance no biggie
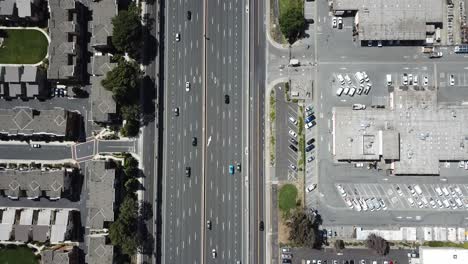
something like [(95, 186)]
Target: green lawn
[(285, 4), (23, 46), (17, 255), (287, 198)]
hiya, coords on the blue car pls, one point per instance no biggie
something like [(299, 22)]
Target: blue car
[(231, 169), (310, 119)]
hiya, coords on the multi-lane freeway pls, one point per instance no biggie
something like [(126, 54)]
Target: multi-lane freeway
[(204, 47)]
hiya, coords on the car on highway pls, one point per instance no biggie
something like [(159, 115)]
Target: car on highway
[(177, 37), (213, 253), (187, 86), (261, 226), (292, 134), (208, 225), (226, 99), (310, 159), (293, 120), (194, 141), (176, 111), (293, 148), (452, 80), (310, 141), (334, 22), (292, 140), (187, 171), (36, 145), (189, 15), (231, 169), (309, 148), (311, 187), (239, 167)]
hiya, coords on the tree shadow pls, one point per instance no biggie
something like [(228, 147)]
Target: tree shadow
[(148, 100), (150, 44)]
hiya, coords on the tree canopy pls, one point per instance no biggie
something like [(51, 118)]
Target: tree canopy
[(304, 229), (122, 231), (123, 81), (292, 22), (377, 244), (127, 32)]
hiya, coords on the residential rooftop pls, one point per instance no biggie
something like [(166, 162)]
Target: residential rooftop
[(98, 251)]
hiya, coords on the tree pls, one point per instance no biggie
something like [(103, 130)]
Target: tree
[(132, 185), (122, 231), (292, 22), (304, 230), (131, 128), (377, 244), (123, 82), (131, 166), (339, 245), (127, 32)]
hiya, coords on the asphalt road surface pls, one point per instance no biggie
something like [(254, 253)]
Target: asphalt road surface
[(225, 87), (181, 209), (257, 94), (24, 151)]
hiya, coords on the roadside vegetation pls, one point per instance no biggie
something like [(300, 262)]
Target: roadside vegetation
[(446, 244), (22, 46), (291, 20), (304, 229), (377, 244), (287, 199), (272, 126), (275, 31), (127, 32), (123, 81)]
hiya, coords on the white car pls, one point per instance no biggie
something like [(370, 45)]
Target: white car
[(340, 22), (379, 44), (36, 145), (177, 37), (187, 86), (352, 91), (292, 134), (341, 190), (346, 90), (359, 90), (452, 80), (292, 120), (438, 191), (213, 253), (425, 81), (311, 187), (399, 191), (339, 91), (309, 125), (334, 22)]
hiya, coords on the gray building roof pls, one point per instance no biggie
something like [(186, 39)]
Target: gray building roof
[(29, 74), (34, 182), (22, 232), (393, 19), (12, 74), (32, 90), (98, 251), (62, 52), (100, 25), (24, 8), (55, 257), (14, 89), (26, 121), (414, 133), (101, 65), (6, 7), (102, 102), (101, 194), (40, 233)]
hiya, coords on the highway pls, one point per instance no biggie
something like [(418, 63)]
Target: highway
[(181, 208), (257, 94), (224, 127)]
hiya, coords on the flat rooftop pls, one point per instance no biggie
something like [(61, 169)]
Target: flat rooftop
[(414, 133), (393, 19)]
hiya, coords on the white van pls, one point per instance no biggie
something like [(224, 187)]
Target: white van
[(438, 190), (445, 191), (348, 80), (389, 79), (359, 77), (418, 189), (339, 91), (340, 79)]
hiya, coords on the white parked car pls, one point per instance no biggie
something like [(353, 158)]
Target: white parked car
[(334, 22), (452, 80), (292, 134), (346, 90), (36, 145), (311, 187), (340, 22), (359, 107), (425, 81), (438, 191), (339, 91), (292, 120), (352, 91), (187, 86), (341, 190)]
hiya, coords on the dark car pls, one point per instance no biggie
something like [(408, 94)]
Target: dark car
[(293, 148), (194, 141), (287, 261), (309, 148), (226, 99), (189, 15), (176, 111), (187, 171), (312, 140), (292, 140), (262, 226)]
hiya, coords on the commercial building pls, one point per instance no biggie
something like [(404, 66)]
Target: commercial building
[(412, 133), (35, 183), (402, 20), (431, 255), (101, 194)]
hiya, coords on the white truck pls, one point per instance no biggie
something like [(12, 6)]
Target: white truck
[(389, 79), (294, 63)]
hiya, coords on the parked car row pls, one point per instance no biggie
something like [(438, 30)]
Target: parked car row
[(361, 84), (413, 79), (286, 255), (347, 261), (337, 22)]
